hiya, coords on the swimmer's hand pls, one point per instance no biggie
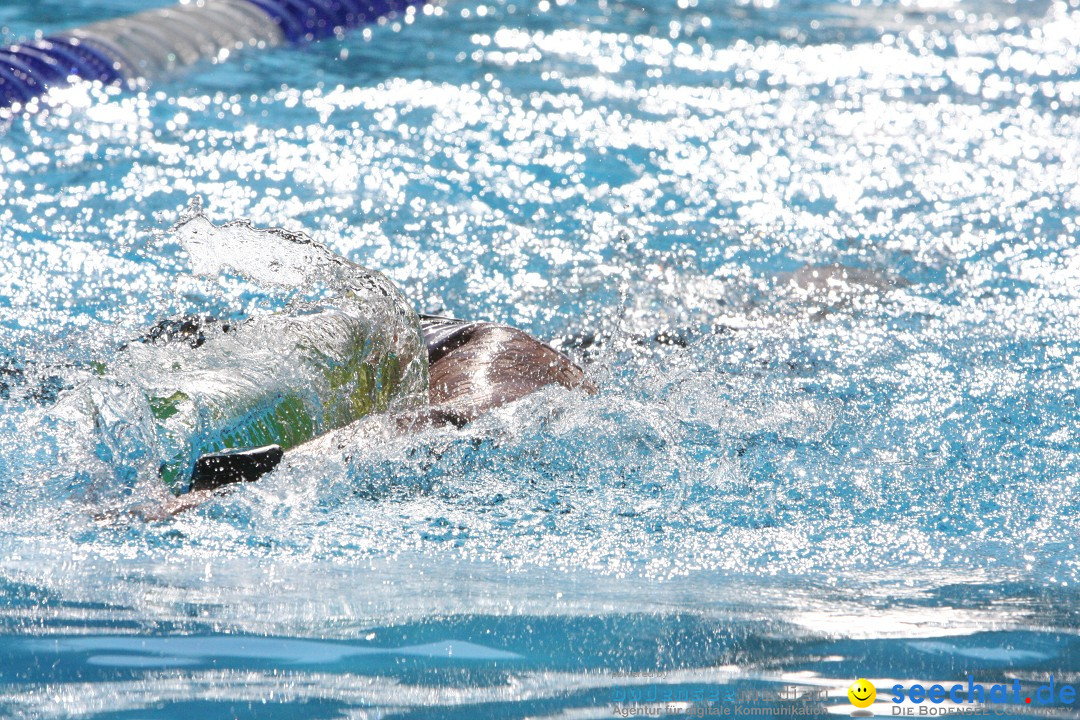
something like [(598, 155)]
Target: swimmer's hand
[(213, 472)]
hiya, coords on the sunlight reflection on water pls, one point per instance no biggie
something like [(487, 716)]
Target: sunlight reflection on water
[(782, 451)]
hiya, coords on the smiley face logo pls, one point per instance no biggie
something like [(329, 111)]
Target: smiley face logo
[(862, 693)]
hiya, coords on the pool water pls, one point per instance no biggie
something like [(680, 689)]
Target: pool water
[(821, 259)]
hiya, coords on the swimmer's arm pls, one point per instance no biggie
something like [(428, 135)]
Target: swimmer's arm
[(211, 484), (171, 506)]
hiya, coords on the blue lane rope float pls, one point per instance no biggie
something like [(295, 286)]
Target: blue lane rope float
[(150, 44)]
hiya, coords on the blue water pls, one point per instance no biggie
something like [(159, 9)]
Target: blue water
[(784, 479)]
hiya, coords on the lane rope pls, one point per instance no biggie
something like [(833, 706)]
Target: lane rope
[(135, 49)]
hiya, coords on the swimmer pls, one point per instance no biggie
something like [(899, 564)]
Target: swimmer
[(227, 400), (473, 367)]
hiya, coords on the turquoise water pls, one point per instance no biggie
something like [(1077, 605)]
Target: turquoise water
[(785, 479)]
